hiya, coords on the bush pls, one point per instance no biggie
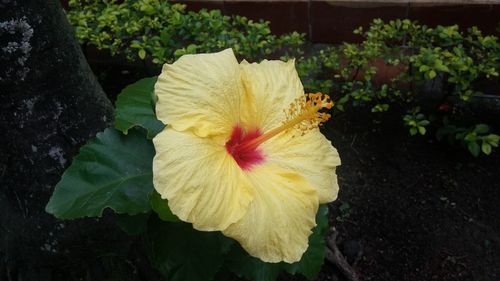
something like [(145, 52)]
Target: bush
[(161, 31), (448, 63)]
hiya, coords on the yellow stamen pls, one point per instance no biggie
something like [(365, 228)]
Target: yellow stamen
[(303, 114)]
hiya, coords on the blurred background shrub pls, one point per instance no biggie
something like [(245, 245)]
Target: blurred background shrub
[(161, 31), (431, 73)]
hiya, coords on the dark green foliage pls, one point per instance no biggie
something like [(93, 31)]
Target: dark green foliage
[(111, 171), (160, 206), (476, 139), (133, 225), (181, 253), (245, 266), (135, 107)]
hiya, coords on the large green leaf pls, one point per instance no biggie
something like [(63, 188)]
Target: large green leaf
[(181, 253), (111, 171), (135, 107), (160, 206), (313, 259), (246, 266)]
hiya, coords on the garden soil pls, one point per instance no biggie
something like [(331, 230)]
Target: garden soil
[(411, 208)]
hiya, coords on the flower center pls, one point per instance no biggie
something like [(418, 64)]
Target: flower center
[(303, 114), (246, 157)]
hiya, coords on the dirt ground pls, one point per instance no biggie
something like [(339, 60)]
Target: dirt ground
[(412, 208)]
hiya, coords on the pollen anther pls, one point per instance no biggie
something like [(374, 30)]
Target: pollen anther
[(307, 110), (303, 114)]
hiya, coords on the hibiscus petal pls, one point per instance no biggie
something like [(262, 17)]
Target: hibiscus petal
[(200, 180), (270, 88), (311, 155), (200, 93), (279, 220)]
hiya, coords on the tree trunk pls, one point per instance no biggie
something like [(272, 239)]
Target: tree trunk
[(50, 105)]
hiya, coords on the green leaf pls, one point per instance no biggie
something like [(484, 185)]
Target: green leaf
[(481, 129), (431, 74), (142, 54), (473, 148), (470, 137), (246, 266), (134, 107), (422, 130), (111, 171), (133, 225), (424, 122), (160, 206), (423, 68), (311, 262), (181, 253), (413, 131), (492, 139), (486, 148), (343, 100)]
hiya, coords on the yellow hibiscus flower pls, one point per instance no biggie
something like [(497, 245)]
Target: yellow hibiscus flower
[(242, 153)]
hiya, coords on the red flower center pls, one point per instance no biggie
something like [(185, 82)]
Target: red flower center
[(246, 156)]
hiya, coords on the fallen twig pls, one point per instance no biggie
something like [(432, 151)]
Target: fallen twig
[(334, 256)]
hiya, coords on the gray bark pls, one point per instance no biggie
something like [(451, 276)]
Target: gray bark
[(50, 104)]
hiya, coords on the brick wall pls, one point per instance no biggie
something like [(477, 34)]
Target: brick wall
[(332, 21)]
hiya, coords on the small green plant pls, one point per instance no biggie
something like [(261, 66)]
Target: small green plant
[(416, 122), (345, 212), (476, 139), (161, 31), (433, 69)]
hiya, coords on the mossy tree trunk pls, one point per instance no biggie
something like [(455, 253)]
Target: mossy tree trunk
[(50, 105)]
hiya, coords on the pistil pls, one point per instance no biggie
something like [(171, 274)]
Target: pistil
[(304, 113)]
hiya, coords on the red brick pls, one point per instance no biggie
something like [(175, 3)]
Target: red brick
[(486, 17), (334, 21), (196, 5), (285, 16)]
